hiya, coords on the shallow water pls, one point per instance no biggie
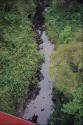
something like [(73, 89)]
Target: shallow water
[(42, 104)]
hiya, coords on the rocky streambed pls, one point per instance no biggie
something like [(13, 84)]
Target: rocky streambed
[(38, 109)]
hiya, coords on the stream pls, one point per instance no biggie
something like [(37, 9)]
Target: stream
[(39, 109), (42, 105)]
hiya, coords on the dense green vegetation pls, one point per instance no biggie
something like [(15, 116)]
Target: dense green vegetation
[(64, 28), (19, 57)]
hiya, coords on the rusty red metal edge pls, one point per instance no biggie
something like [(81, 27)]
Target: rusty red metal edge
[(6, 119)]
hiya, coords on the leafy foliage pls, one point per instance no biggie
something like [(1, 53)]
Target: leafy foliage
[(19, 57), (75, 107), (64, 69), (65, 36), (64, 24)]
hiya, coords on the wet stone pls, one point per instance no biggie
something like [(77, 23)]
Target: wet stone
[(42, 109), (34, 118)]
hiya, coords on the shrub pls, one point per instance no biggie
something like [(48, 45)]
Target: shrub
[(19, 58), (64, 66), (65, 35)]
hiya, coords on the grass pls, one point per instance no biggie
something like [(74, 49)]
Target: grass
[(19, 57)]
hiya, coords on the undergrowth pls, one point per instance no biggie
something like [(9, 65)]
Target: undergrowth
[(64, 29), (19, 57)]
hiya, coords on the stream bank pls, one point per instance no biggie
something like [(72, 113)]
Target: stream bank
[(64, 28), (19, 58)]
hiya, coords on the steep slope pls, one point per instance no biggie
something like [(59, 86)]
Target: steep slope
[(64, 28), (19, 57)]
